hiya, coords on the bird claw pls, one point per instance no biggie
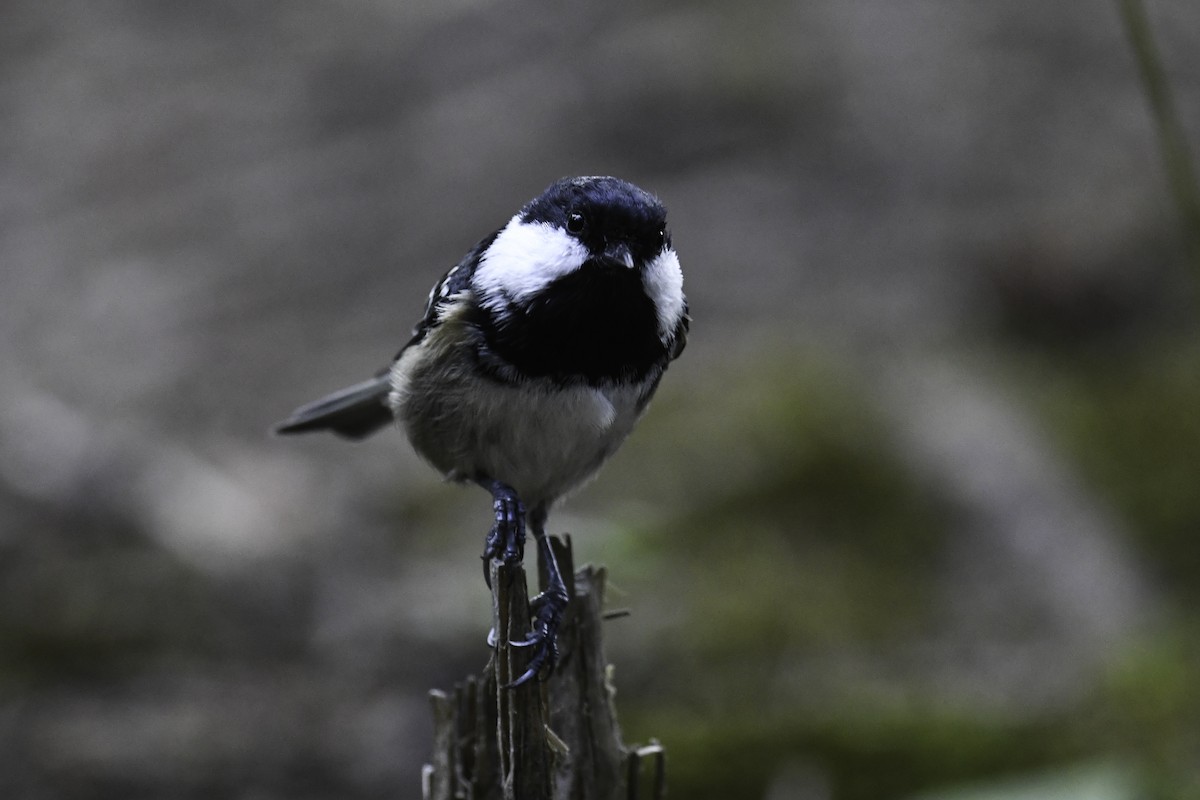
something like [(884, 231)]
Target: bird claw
[(506, 539), (544, 657), (547, 609)]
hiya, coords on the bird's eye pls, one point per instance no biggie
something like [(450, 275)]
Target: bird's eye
[(576, 222), (664, 238)]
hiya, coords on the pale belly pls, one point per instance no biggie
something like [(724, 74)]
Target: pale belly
[(541, 440)]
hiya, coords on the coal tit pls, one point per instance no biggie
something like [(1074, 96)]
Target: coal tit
[(537, 354)]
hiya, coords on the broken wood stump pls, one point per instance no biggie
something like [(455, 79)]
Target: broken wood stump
[(556, 739)]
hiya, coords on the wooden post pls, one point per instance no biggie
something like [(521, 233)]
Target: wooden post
[(551, 740)]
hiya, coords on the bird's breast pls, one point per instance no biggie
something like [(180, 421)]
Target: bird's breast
[(595, 325), (541, 438)]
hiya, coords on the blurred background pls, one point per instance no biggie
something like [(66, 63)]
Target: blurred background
[(916, 514)]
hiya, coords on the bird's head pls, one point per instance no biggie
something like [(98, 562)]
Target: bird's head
[(584, 223)]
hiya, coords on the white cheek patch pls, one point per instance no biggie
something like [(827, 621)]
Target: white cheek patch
[(663, 280), (524, 259)]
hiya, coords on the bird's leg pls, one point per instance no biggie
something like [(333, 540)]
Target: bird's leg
[(506, 539), (547, 608)]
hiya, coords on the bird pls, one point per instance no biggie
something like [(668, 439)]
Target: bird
[(535, 357)]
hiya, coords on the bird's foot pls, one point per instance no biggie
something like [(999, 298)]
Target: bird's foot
[(547, 611), (506, 539)]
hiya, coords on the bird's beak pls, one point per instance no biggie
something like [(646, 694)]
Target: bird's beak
[(618, 253)]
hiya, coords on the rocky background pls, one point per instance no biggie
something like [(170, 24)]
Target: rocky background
[(915, 515)]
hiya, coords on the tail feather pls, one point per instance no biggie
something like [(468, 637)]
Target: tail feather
[(353, 413)]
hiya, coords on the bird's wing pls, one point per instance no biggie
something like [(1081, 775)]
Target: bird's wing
[(359, 410), (456, 281)]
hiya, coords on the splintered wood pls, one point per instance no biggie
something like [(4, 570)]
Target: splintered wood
[(556, 739)]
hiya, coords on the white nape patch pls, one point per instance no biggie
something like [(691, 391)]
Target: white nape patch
[(663, 280), (524, 259)]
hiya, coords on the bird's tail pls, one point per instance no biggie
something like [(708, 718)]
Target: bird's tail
[(353, 413)]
